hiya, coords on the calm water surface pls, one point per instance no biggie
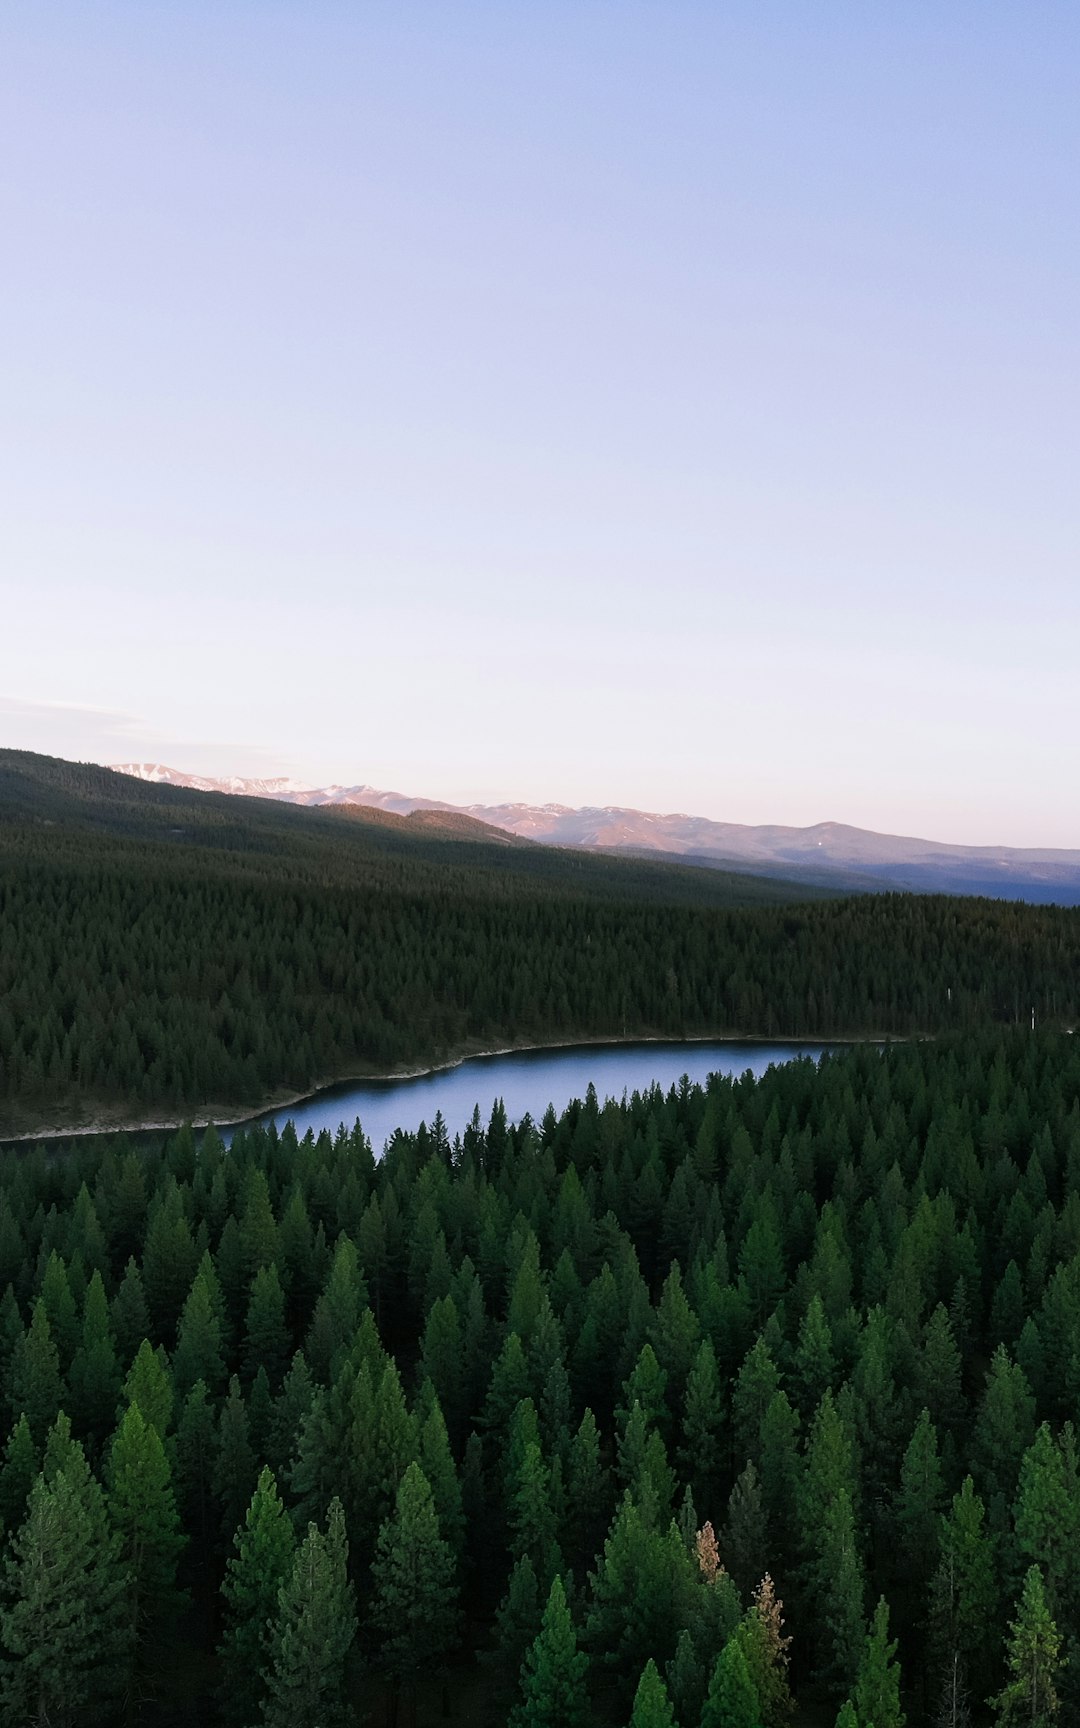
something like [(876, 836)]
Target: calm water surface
[(527, 1080)]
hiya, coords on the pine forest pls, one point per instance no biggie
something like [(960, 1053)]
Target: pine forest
[(734, 1406)]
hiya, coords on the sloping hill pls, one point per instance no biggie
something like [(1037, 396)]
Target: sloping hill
[(165, 950), (79, 810), (832, 854)]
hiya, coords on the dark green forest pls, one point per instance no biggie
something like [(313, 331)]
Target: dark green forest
[(736, 1407), (163, 950), (730, 1407)]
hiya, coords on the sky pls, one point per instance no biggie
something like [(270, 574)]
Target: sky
[(670, 405)]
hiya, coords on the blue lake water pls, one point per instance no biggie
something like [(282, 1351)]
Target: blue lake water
[(526, 1081)]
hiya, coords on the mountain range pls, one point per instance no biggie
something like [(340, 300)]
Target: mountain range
[(832, 854)]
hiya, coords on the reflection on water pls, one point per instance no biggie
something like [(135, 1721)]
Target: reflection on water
[(526, 1080)]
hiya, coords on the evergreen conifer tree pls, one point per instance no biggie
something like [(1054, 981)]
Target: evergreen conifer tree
[(196, 1457), (36, 1383), (94, 1377), (877, 1688), (517, 1622), (745, 1536), (234, 1465), (553, 1673), (149, 1385), (917, 1506), (652, 1705), (1030, 1698), (839, 1581), (254, 1577), (17, 1472), (964, 1601), (765, 1647), (686, 1680), (731, 1701), (704, 1438), (130, 1314), (437, 1462), (312, 1633), (414, 1607), (62, 1625), (266, 1336), (142, 1513), (198, 1353)]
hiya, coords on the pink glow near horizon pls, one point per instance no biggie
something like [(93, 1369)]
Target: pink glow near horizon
[(648, 407)]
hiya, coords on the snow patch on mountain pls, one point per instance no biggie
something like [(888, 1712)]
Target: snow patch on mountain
[(832, 850)]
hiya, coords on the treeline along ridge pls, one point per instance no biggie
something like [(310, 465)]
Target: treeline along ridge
[(163, 949)]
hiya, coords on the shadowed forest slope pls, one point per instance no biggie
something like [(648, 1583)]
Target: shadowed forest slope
[(162, 948)]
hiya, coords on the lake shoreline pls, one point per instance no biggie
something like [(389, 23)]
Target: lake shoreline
[(204, 1115)]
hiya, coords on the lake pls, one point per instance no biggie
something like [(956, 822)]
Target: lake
[(525, 1080)]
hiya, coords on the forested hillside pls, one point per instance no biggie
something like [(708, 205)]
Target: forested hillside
[(673, 1411), (162, 949)]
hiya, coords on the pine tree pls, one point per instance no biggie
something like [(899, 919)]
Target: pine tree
[(387, 1432), (254, 1577), (534, 1515), (415, 1601), (686, 1680), (646, 1385), (62, 1624), (266, 1336), (198, 1353), (964, 1600), (1047, 1517), (337, 1313), (744, 1540), (312, 1633), (917, 1506), (652, 1705), (938, 1372), (731, 1701), (36, 1383), (94, 1377), (441, 1362), (290, 1407), (588, 1496), (761, 1636), (61, 1448), (130, 1314), (17, 1472), (704, 1429), (437, 1462), (234, 1465), (757, 1383), (815, 1360), (142, 1512), (149, 1385), (196, 1457), (675, 1334), (553, 1673), (1004, 1429), (1033, 1660), (645, 1588), (517, 1622), (780, 1469), (839, 1581), (61, 1309), (877, 1689), (830, 1469)]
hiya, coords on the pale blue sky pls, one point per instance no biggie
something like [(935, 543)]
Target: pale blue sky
[(672, 405)]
